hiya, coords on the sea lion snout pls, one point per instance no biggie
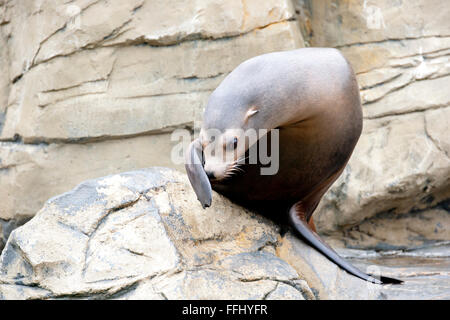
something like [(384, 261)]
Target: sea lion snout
[(215, 170), (210, 175)]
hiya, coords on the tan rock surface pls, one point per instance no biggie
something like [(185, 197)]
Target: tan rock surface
[(336, 22), (143, 235), (89, 88), (400, 51), (396, 167), (41, 169)]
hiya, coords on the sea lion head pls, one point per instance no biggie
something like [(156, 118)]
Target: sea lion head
[(224, 148), (221, 146), (222, 151)]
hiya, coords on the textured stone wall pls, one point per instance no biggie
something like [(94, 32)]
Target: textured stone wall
[(91, 87), (400, 51), (94, 87)]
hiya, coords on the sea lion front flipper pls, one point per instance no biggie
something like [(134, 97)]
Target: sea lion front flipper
[(297, 218), (196, 173)]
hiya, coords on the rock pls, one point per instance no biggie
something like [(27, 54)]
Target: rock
[(417, 182), (7, 226), (62, 28), (57, 166), (143, 235), (388, 231), (88, 100), (326, 279), (425, 270), (401, 165), (103, 74), (4, 78), (86, 78), (380, 21), (90, 88), (54, 167)]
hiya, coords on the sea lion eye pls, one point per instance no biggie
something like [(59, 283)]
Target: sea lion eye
[(235, 142)]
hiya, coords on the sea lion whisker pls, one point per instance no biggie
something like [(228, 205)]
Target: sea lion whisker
[(235, 169), (238, 169), (240, 160)]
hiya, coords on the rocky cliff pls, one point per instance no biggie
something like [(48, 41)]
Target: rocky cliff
[(90, 88), (399, 174)]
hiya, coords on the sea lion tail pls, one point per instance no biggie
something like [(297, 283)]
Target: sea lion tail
[(297, 219)]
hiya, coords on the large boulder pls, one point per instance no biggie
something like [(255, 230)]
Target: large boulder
[(143, 234)]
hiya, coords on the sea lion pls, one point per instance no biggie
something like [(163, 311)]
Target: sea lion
[(310, 98)]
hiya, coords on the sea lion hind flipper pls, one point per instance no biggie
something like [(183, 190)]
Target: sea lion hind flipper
[(196, 173), (298, 221), (387, 280)]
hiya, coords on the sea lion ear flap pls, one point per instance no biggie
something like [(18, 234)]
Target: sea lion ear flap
[(196, 173), (250, 112)]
